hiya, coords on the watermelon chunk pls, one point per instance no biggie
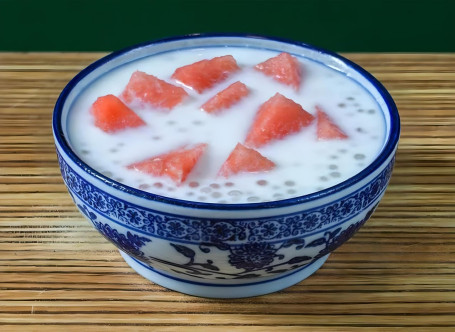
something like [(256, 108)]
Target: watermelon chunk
[(176, 164), (226, 98), (150, 90), (243, 159), (284, 68), (112, 115), (204, 74), (277, 118), (326, 128)]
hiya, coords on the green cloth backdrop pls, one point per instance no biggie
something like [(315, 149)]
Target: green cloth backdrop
[(339, 25)]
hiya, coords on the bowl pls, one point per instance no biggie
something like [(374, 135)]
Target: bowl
[(224, 250)]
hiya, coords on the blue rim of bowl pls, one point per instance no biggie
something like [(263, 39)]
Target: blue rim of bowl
[(388, 149)]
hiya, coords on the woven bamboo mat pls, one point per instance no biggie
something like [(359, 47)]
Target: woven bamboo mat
[(57, 273)]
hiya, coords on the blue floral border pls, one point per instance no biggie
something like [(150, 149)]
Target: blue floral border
[(175, 227), (251, 260)]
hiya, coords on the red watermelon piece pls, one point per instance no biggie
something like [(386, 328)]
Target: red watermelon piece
[(176, 164), (152, 91), (112, 115), (326, 128), (243, 159), (204, 74), (226, 98), (284, 68), (277, 118)]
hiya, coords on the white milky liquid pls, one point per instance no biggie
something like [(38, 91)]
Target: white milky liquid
[(304, 164)]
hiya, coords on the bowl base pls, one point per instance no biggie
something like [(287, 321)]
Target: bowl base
[(223, 291)]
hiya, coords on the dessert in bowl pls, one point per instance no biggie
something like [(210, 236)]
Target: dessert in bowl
[(225, 165)]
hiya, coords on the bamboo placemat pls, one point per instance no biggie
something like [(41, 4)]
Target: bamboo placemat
[(57, 273)]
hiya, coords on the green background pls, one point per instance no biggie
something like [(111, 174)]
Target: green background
[(339, 25)]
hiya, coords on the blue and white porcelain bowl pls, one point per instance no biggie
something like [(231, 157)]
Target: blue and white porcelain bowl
[(224, 250)]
